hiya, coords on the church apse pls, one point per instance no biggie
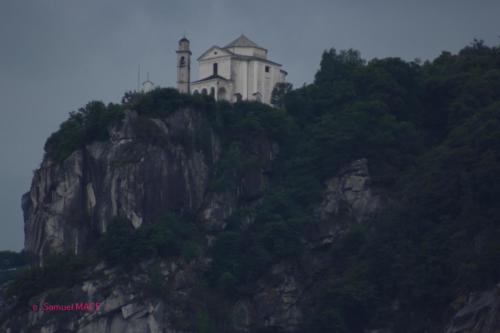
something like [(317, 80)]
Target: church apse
[(238, 71)]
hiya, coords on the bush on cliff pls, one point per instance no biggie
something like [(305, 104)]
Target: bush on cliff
[(165, 237), (431, 134), (84, 126)]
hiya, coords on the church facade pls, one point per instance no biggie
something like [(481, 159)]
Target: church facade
[(238, 71)]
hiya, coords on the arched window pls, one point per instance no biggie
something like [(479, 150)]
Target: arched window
[(216, 68), (196, 92), (182, 63), (212, 91), (258, 96), (238, 97), (221, 94), (203, 91)]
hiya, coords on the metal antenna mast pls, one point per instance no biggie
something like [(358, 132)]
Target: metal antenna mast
[(138, 77)]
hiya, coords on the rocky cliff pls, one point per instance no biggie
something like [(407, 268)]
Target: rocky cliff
[(147, 167), (152, 166), (478, 312), (180, 164)]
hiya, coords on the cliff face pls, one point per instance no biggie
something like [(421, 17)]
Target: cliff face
[(130, 175), (148, 167), (478, 313)]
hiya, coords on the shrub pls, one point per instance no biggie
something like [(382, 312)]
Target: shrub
[(84, 126)]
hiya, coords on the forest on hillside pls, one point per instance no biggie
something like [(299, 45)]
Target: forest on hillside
[(431, 133)]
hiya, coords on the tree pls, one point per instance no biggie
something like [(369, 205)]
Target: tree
[(279, 92)]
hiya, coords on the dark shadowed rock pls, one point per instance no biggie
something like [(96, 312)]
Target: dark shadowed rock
[(152, 166)]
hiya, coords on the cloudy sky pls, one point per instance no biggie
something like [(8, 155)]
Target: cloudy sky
[(57, 55)]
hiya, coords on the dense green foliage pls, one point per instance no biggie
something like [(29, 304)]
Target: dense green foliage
[(10, 263), (10, 259), (441, 239), (84, 126), (162, 102), (58, 271), (280, 90), (165, 237), (431, 134), (92, 122)]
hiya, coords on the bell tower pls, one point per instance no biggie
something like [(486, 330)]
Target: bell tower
[(183, 66)]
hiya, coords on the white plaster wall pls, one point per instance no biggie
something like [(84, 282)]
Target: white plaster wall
[(147, 86), (268, 79), (240, 78), (251, 82), (258, 70), (249, 51), (208, 85), (282, 77), (183, 73), (205, 68), (248, 76)]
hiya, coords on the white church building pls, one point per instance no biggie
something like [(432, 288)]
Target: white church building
[(238, 71)]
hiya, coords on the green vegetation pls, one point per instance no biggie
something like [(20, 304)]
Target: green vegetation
[(11, 259), (10, 263), (91, 123), (431, 134), (61, 271), (84, 126), (162, 102), (279, 92), (441, 239), (165, 237)]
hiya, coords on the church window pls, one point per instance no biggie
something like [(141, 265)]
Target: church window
[(221, 93), (212, 91), (268, 69), (215, 68), (182, 62)]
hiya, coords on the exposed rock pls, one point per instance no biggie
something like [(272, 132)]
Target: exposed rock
[(348, 199), (479, 314), (147, 167), (121, 310), (277, 303), (349, 193), (140, 174)]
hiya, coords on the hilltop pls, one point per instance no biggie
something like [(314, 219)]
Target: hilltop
[(366, 201)]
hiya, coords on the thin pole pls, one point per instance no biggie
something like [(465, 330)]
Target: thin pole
[(138, 77)]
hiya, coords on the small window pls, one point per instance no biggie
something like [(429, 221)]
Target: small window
[(268, 69), (215, 52), (215, 69), (182, 62)]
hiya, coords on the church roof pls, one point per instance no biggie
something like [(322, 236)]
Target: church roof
[(211, 77), (212, 48), (243, 41)]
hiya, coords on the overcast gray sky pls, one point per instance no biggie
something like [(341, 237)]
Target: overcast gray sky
[(57, 55)]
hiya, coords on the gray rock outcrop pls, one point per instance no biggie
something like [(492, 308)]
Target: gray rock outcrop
[(148, 167), (479, 313)]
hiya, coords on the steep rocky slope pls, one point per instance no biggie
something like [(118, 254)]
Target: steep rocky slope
[(139, 178), (367, 204), (71, 203)]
